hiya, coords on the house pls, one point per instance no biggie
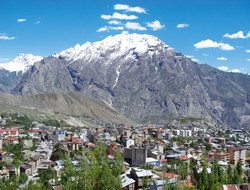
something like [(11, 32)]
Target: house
[(141, 177), (127, 182), (171, 178), (26, 168), (43, 166), (75, 144), (60, 135), (33, 166), (13, 171)]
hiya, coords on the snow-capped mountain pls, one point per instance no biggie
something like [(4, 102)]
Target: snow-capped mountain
[(21, 63), (142, 78), (116, 46)]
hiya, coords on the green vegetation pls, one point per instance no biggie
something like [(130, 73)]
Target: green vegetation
[(15, 149), (51, 122), (93, 172), (188, 119), (17, 119), (213, 180)]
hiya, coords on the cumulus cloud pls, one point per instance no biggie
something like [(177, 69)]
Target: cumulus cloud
[(21, 20), (222, 58), (236, 35), (223, 68), (248, 59), (211, 44), (127, 8), (3, 36), (236, 71), (192, 58), (114, 22), (119, 16), (108, 28), (156, 25), (134, 26), (183, 25), (248, 50)]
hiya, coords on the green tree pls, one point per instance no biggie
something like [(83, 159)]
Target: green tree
[(93, 172), (23, 178), (203, 182), (47, 175), (229, 174)]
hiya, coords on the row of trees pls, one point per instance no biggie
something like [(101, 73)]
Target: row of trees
[(217, 177)]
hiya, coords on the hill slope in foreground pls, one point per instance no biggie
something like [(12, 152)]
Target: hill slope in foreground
[(72, 107)]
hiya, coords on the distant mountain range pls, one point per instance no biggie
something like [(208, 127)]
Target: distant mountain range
[(141, 78)]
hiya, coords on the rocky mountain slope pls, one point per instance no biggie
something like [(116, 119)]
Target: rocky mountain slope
[(143, 79)]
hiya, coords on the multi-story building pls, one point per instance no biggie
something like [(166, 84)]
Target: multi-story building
[(136, 155), (237, 154)]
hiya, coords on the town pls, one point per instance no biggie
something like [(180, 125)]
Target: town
[(54, 155)]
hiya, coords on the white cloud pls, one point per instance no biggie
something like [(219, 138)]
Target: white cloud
[(192, 58), (204, 54), (248, 59), (223, 68), (119, 16), (103, 29), (183, 25), (248, 50), (211, 44), (222, 58), (156, 25), (239, 34), (236, 71), (134, 26), (116, 28), (123, 7), (115, 22), (3, 36), (21, 20), (37, 22), (108, 28)]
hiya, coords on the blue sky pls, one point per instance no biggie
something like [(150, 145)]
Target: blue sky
[(215, 32)]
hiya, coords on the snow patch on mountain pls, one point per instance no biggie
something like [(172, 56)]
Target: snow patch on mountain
[(21, 63), (113, 47)]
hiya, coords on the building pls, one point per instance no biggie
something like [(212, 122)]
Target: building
[(12, 132), (223, 156), (127, 182), (186, 133), (142, 177), (237, 154), (136, 155)]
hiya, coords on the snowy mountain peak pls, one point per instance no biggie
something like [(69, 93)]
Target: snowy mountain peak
[(21, 63), (116, 46)]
